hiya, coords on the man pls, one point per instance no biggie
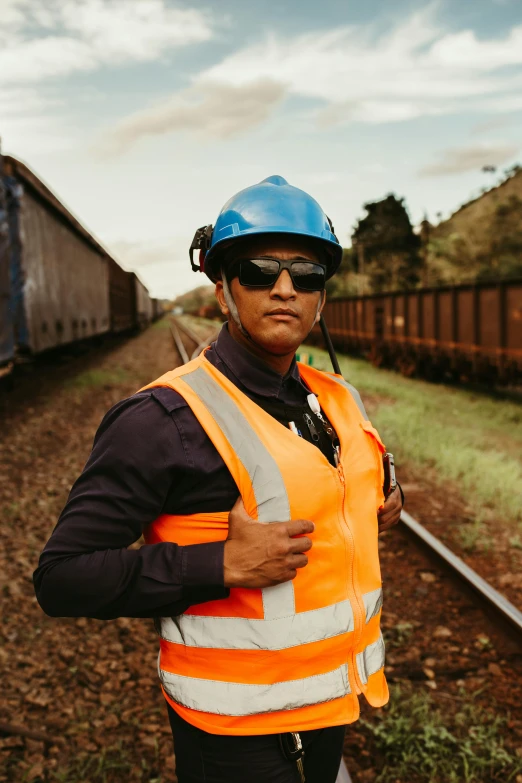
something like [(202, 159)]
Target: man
[(258, 486)]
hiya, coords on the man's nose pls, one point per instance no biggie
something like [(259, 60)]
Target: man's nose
[(283, 286)]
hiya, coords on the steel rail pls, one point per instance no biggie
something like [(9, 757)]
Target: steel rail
[(188, 331), (178, 341), (343, 776), (508, 612), (200, 344), (203, 344)]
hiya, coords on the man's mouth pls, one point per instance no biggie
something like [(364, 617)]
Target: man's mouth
[(282, 314)]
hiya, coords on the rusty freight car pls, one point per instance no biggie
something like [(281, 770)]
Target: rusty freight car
[(58, 285), (7, 347), (59, 272), (144, 306), (458, 332), (122, 298)]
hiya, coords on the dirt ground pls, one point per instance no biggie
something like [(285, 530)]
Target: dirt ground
[(81, 703)]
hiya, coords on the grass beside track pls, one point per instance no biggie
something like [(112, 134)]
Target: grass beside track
[(417, 741), (461, 436)]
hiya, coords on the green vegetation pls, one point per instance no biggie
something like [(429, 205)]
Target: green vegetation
[(481, 241), (416, 741), (110, 765), (163, 323), (464, 437), (199, 301), (97, 378)]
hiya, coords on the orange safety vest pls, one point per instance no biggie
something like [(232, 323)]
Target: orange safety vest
[(292, 657)]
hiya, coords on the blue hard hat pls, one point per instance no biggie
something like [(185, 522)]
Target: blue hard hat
[(270, 207)]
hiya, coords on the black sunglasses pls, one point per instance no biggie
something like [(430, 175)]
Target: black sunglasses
[(263, 273)]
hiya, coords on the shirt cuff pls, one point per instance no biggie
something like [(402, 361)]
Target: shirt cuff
[(202, 564)]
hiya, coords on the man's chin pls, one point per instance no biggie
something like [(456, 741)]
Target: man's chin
[(278, 345)]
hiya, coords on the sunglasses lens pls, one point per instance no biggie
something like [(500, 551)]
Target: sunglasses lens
[(258, 272), (263, 273), (308, 276)]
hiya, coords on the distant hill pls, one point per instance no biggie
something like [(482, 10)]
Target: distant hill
[(482, 240)]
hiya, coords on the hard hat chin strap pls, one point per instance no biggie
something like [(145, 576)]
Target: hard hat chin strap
[(319, 305), (229, 299)]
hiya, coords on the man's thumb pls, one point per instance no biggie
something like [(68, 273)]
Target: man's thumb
[(238, 516)]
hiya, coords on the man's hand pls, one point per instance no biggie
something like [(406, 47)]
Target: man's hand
[(258, 554), (390, 513)]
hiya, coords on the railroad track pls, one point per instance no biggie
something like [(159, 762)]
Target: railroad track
[(500, 610), (178, 329), (494, 603)]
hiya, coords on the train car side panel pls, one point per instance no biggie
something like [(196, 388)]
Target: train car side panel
[(489, 317), (143, 304), (7, 345), (514, 320), (465, 326), (122, 298), (445, 317), (412, 305), (427, 299), (66, 286)]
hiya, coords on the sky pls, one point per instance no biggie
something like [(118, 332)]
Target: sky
[(145, 116)]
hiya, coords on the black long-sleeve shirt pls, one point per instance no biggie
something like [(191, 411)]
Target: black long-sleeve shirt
[(150, 456)]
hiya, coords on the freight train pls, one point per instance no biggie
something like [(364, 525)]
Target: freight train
[(58, 285), (463, 332)]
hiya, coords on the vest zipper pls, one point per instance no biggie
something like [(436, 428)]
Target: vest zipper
[(359, 612), (311, 427)]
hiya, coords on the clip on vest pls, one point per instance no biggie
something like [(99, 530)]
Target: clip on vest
[(292, 749)]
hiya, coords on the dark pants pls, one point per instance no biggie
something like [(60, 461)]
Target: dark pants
[(215, 758)]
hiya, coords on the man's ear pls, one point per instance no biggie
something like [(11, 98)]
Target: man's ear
[(320, 307), (220, 296)]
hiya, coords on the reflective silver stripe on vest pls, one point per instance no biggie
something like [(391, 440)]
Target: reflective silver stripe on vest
[(372, 603), (239, 699), (353, 391), (370, 660), (238, 633), (267, 482)]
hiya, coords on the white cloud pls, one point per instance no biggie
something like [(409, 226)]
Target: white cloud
[(220, 111), (458, 160), (43, 42), (68, 36), (414, 70)]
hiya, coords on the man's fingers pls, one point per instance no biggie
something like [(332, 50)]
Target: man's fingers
[(298, 561), (389, 520), (298, 527), (302, 544), (393, 501), (388, 513)]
